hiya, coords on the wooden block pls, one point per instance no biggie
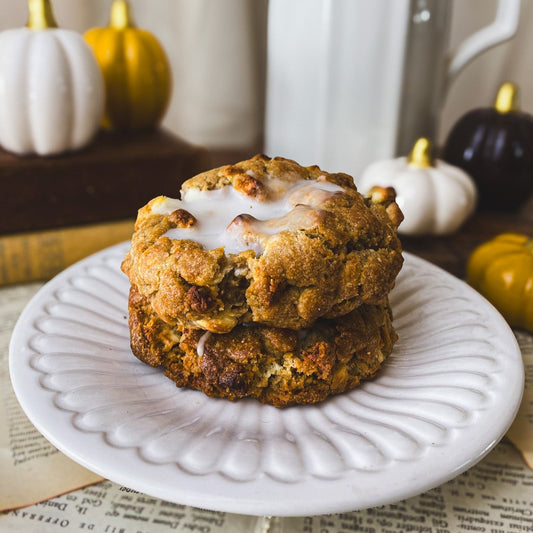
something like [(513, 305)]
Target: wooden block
[(109, 180)]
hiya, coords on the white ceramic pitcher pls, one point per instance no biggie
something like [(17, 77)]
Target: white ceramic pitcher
[(353, 81)]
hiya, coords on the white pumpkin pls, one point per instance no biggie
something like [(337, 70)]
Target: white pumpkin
[(435, 197), (51, 87)]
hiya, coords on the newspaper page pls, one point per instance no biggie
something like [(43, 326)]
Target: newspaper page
[(32, 469), (521, 432)]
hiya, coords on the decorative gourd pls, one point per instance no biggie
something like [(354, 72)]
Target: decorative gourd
[(435, 198), (495, 146), (51, 89), (136, 71), (502, 270)]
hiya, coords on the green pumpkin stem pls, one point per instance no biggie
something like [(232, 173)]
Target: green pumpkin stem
[(421, 155), (121, 17), (507, 98), (41, 16)]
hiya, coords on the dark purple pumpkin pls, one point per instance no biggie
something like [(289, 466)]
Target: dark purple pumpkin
[(495, 146)]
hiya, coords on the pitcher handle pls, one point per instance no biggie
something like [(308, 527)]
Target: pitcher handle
[(502, 29)]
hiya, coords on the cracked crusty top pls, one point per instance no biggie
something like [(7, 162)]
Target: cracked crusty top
[(266, 241)]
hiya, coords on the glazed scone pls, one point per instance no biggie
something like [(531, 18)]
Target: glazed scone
[(280, 367), (264, 241)]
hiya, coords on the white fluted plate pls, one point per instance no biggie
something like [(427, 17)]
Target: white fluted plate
[(444, 398)]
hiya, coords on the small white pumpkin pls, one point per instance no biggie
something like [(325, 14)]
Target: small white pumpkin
[(435, 197), (51, 87)]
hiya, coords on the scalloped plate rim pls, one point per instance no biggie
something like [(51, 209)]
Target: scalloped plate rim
[(262, 496)]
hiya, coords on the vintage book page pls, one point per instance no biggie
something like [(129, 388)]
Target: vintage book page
[(521, 432), (32, 469)]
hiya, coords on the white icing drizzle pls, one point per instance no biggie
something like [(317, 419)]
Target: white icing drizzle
[(225, 217), (201, 343)]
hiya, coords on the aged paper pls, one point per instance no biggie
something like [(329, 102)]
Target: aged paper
[(41, 255), (521, 432), (495, 496), (111, 508), (32, 469)]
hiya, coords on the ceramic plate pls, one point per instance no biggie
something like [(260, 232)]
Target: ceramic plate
[(444, 398)]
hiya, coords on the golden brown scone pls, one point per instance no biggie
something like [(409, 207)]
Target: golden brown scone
[(277, 366), (326, 251)]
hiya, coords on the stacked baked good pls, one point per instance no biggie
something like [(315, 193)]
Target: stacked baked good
[(267, 279)]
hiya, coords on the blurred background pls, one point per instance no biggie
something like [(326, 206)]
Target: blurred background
[(217, 49)]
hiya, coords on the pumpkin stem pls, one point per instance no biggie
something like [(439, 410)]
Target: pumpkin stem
[(421, 154), (507, 98), (121, 17), (41, 15)]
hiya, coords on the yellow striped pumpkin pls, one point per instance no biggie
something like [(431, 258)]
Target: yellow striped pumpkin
[(136, 71)]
